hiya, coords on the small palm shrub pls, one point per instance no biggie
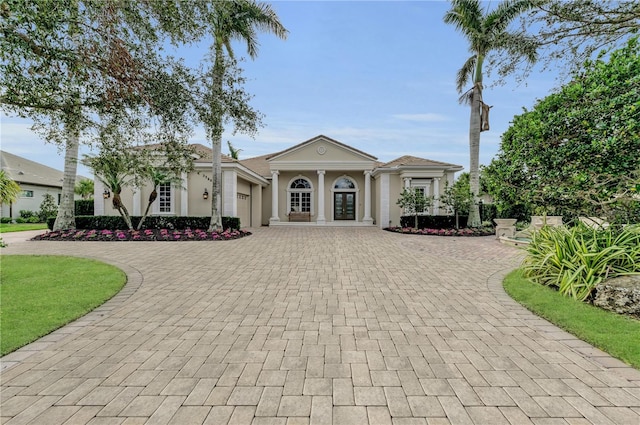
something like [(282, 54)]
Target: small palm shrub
[(574, 260)]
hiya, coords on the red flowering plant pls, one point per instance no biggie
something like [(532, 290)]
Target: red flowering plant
[(480, 231), (144, 235)]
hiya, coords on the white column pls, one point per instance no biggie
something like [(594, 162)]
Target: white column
[(184, 195), (407, 182), (436, 196), (385, 203), (274, 197), (321, 218), (230, 193), (98, 198), (367, 198), (137, 201)]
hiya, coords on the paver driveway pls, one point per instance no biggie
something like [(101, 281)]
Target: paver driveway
[(312, 325)]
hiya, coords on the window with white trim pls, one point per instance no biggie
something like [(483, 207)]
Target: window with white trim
[(165, 198), (26, 194), (300, 193), (424, 187)]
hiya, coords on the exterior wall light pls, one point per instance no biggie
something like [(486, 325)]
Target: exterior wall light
[(205, 195), (106, 194)]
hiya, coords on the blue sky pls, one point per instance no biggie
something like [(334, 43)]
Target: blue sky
[(376, 75)]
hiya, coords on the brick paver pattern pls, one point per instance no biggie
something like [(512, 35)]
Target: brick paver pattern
[(312, 326)]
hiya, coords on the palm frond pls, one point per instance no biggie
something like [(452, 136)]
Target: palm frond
[(466, 16), (465, 74), (497, 21)]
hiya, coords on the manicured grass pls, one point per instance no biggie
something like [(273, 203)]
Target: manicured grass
[(42, 293), (613, 333), (19, 227)]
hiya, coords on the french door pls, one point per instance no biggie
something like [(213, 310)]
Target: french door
[(344, 206)]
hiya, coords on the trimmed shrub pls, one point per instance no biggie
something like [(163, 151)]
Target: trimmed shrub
[(113, 222), (21, 220), (433, 221), (26, 214), (84, 206), (6, 220)]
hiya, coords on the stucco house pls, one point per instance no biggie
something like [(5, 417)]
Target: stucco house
[(318, 182), (35, 180)]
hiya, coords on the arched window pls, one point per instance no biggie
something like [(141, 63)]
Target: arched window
[(300, 195), (344, 183)]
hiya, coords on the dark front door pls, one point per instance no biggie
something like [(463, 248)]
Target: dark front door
[(344, 206)]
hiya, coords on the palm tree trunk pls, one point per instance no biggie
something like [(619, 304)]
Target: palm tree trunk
[(66, 211), (216, 142), (124, 213), (152, 197), (474, 155)]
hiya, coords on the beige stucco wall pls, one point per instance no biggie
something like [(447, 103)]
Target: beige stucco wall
[(198, 207), (266, 205), (331, 151), (127, 199), (395, 189), (30, 204)]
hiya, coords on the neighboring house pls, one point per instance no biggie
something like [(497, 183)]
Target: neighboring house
[(317, 182), (35, 180)]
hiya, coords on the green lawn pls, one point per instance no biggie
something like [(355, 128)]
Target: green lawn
[(42, 293), (617, 335), (19, 227)]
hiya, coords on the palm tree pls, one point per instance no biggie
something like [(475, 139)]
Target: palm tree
[(232, 20), (113, 169), (233, 152), (9, 189), (486, 33), (84, 188), (157, 176)]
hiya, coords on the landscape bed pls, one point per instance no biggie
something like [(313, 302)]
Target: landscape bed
[(481, 231), (147, 235)]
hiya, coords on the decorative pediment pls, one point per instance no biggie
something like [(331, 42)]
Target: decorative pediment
[(321, 152)]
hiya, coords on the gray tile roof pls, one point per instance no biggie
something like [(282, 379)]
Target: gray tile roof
[(25, 171)]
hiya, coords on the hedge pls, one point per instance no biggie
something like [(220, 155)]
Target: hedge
[(113, 222), (433, 221), (84, 206)]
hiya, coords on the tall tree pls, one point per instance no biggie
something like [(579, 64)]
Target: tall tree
[(231, 20), (487, 33), (576, 151), (567, 33), (64, 62)]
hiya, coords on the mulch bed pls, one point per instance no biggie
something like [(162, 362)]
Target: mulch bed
[(481, 231), (146, 235)]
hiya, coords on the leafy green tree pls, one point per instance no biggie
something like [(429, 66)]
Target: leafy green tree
[(66, 62), (414, 202), (567, 33), (9, 189), (576, 151), (457, 198), (48, 208), (84, 188), (231, 20), (487, 33)]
